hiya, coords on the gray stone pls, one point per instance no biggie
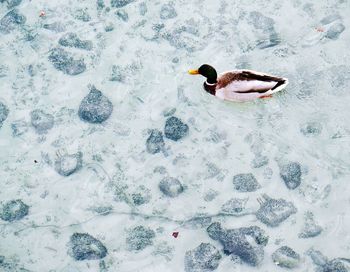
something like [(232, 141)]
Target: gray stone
[(286, 257), (291, 174), (100, 4), (311, 128), (143, 8), (310, 229), (141, 196), (317, 257), (334, 31), (273, 212), (64, 61), (41, 121), (260, 21), (205, 257), (170, 187), (120, 3), (175, 129), (83, 246), (259, 161), (123, 15), (12, 3), (234, 206), (4, 112), (95, 108), (245, 183), (19, 127), (82, 15), (68, 164), (13, 210), (337, 265), (167, 11), (71, 40), (139, 238), (247, 243), (12, 19), (330, 19), (56, 27), (117, 73)]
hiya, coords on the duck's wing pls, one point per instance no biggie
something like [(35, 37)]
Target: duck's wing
[(248, 81)]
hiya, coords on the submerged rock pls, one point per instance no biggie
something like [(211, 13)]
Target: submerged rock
[(56, 27), (64, 61), (286, 257), (259, 161), (41, 121), (167, 12), (95, 108), (273, 212), (334, 31), (291, 174), (142, 195), (120, 3), (155, 142), (68, 164), (234, 206), (71, 40), (245, 183), (175, 129), (4, 112), (171, 187), (83, 246), (12, 19), (246, 243), (13, 210), (310, 229), (337, 265), (139, 238), (311, 128), (12, 3), (205, 257), (19, 127)]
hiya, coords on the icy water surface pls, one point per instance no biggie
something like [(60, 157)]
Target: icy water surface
[(114, 159)]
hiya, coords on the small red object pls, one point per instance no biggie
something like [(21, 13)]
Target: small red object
[(42, 13), (319, 29), (175, 234)]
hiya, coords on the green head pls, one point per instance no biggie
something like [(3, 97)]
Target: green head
[(207, 71)]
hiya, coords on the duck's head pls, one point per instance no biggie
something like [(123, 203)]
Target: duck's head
[(207, 71)]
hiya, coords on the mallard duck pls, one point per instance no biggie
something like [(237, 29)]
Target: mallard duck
[(240, 85)]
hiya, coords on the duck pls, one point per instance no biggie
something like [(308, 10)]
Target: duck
[(239, 85)]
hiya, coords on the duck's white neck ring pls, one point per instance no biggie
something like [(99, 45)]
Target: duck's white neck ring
[(210, 84)]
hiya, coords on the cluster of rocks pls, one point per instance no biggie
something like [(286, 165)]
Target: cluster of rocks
[(175, 129)]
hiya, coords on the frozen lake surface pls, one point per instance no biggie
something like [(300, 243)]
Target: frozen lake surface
[(113, 158)]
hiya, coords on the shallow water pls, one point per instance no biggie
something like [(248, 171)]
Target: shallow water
[(137, 54)]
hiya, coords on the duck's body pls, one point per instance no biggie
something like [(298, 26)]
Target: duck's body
[(240, 85)]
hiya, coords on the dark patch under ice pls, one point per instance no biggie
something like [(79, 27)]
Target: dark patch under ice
[(41, 121), (155, 142), (291, 174), (65, 62)]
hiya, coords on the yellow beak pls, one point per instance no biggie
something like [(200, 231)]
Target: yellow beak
[(193, 72)]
